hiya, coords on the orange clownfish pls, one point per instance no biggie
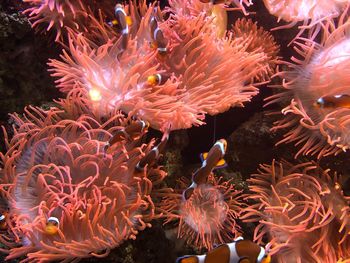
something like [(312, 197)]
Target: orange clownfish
[(153, 155), (336, 101), (123, 21), (157, 79), (52, 225), (158, 38), (211, 160), (239, 251), (129, 132), (3, 223)]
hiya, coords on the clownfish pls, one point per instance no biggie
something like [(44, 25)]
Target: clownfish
[(336, 101), (153, 155), (211, 160), (157, 79), (52, 225), (158, 40), (123, 21), (3, 223), (129, 132), (239, 251)]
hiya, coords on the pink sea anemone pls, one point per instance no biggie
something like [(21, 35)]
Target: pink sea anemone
[(57, 15), (55, 169), (311, 12), (302, 211), (208, 217), (204, 77), (322, 71), (258, 37)]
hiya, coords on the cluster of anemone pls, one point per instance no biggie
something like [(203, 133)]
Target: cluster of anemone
[(68, 196)]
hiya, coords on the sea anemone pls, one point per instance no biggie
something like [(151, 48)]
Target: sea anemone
[(258, 38), (313, 13), (322, 71), (208, 217), (58, 15), (67, 198), (203, 76), (301, 210)]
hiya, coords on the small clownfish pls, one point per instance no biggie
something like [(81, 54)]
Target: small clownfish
[(3, 223), (336, 101), (157, 79), (153, 155), (239, 251), (52, 225), (211, 160), (129, 132), (158, 40)]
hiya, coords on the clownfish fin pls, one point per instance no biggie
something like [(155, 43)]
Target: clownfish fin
[(187, 259), (221, 164), (203, 156)]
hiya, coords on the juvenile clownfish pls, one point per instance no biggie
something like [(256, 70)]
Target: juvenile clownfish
[(239, 251), (52, 225), (158, 40), (157, 79), (336, 101), (211, 160), (153, 155), (129, 132), (3, 223)]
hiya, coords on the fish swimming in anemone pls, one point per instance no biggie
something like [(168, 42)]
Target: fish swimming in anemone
[(211, 160), (207, 210), (239, 251), (211, 86), (130, 132), (123, 23), (157, 79), (159, 42), (66, 201), (322, 71), (150, 158)]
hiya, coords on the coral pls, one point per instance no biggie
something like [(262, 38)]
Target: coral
[(208, 217), (301, 210), (321, 131), (55, 167), (247, 29)]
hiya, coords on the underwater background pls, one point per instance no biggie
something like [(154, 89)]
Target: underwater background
[(25, 80)]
